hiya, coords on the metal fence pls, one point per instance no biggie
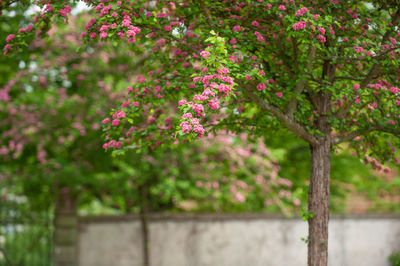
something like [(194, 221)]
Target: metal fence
[(26, 235)]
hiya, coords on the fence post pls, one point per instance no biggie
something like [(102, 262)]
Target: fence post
[(65, 230)]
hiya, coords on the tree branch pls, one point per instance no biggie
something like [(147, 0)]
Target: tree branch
[(286, 120)]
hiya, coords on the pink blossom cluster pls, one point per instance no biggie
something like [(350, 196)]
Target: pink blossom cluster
[(281, 8), (215, 86), (10, 37), (104, 10), (124, 20), (301, 11), (358, 49), (65, 11), (321, 38), (236, 28), (301, 25), (27, 29), (260, 38), (119, 114), (112, 144), (205, 54)]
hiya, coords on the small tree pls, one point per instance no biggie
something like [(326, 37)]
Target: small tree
[(328, 72)]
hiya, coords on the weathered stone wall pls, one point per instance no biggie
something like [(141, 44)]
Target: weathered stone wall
[(234, 240)]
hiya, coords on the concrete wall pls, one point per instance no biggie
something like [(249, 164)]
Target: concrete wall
[(234, 240)]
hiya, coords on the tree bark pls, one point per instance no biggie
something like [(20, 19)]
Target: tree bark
[(145, 237), (144, 222), (65, 230), (318, 204)]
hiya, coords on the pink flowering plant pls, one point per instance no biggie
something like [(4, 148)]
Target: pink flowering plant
[(214, 86), (326, 71)]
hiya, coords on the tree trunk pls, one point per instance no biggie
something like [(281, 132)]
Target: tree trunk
[(145, 237), (145, 227), (318, 204), (65, 231)]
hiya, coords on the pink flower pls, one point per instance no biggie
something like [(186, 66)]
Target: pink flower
[(214, 104), (278, 94), (260, 38), (301, 11), (103, 35), (106, 120), (119, 114), (296, 202), (198, 97), (223, 70), (198, 108), (394, 90), (92, 35), (282, 7), (208, 92), (321, 38), (187, 116), (115, 122), (233, 41), (299, 25), (131, 33), (321, 30), (356, 87), (67, 8), (195, 121), (261, 86), (236, 28), (205, 54), (224, 88), (125, 104), (126, 22), (182, 102), (161, 15), (198, 129), (239, 197), (64, 12), (248, 77), (255, 24), (358, 49), (186, 127), (167, 28), (10, 37)]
